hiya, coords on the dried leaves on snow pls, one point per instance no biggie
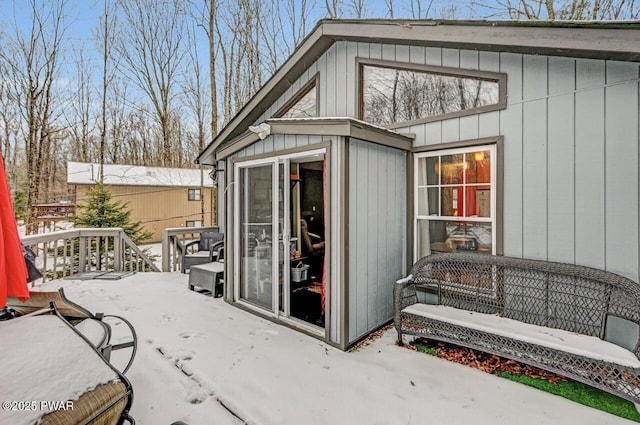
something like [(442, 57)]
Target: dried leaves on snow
[(489, 363)]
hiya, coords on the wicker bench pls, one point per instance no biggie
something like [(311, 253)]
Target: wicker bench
[(577, 321)]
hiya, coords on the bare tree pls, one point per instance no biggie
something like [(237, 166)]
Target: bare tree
[(11, 135), (358, 8), (212, 66), (389, 4), (32, 59), (227, 51), (420, 9), (196, 102), (194, 88), (333, 8), (240, 53), (116, 111), (560, 9), (252, 12), (298, 13), (105, 38), (274, 43), (78, 114), (205, 14), (8, 124), (152, 50)]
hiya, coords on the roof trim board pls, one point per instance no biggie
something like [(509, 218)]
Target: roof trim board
[(334, 126)]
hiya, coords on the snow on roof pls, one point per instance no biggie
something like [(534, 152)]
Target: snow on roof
[(135, 175)]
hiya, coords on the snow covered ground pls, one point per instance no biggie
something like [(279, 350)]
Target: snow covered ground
[(200, 359)]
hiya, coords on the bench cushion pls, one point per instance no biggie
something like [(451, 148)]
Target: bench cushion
[(558, 339)]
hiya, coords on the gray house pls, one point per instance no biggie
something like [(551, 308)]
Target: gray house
[(381, 141)]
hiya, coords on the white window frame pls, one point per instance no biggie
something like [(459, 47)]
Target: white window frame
[(274, 161), (197, 194), (492, 186)]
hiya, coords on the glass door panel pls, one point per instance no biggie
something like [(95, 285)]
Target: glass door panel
[(256, 235), (280, 266)]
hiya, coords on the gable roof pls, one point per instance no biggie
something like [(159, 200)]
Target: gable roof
[(596, 40), (135, 175)]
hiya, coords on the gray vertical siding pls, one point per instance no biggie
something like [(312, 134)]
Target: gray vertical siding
[(534, 157), (571, 136), (589, 163), (621, 168), (377, 233), (511, 127), (561, 161)]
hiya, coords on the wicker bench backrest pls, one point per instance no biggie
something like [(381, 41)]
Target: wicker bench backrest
[(565, 296)]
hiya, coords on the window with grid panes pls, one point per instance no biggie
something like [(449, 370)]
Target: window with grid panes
[(455, 199)]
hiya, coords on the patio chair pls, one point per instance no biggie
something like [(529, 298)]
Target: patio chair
[(313, 248), (75, 384), (91, 326), (208, 247)]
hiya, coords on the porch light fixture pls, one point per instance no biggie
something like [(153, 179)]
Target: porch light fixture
[(219, 168), (262, 130)]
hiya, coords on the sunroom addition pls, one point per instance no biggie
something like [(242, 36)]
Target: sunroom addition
[(316, 223)]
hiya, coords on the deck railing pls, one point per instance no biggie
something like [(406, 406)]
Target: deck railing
[(69, 252), (173, 241)]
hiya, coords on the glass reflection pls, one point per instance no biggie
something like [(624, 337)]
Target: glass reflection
[(450, 236), (391, 95), (305, 107)]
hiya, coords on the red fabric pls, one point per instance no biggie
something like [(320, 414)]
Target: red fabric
[(468, 194), (480, 172), (13, 271)]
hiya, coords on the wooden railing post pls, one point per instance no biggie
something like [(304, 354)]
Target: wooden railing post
[(117, 254), (82, 254), (166, 252)]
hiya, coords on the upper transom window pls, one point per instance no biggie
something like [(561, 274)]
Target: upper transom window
[(393, 95), (303, 104)]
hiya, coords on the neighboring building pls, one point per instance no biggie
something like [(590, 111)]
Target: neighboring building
[(396, 139), (158, 197)]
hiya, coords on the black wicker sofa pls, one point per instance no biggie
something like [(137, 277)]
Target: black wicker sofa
[(577, 321)]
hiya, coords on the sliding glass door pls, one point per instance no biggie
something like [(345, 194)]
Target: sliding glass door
[(257, 234), (275, 270)]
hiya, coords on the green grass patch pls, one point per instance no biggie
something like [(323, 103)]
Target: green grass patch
[(583, 394), (425, 349), (571, 390)]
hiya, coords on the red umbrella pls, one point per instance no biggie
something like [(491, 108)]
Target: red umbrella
[(13, 271)]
